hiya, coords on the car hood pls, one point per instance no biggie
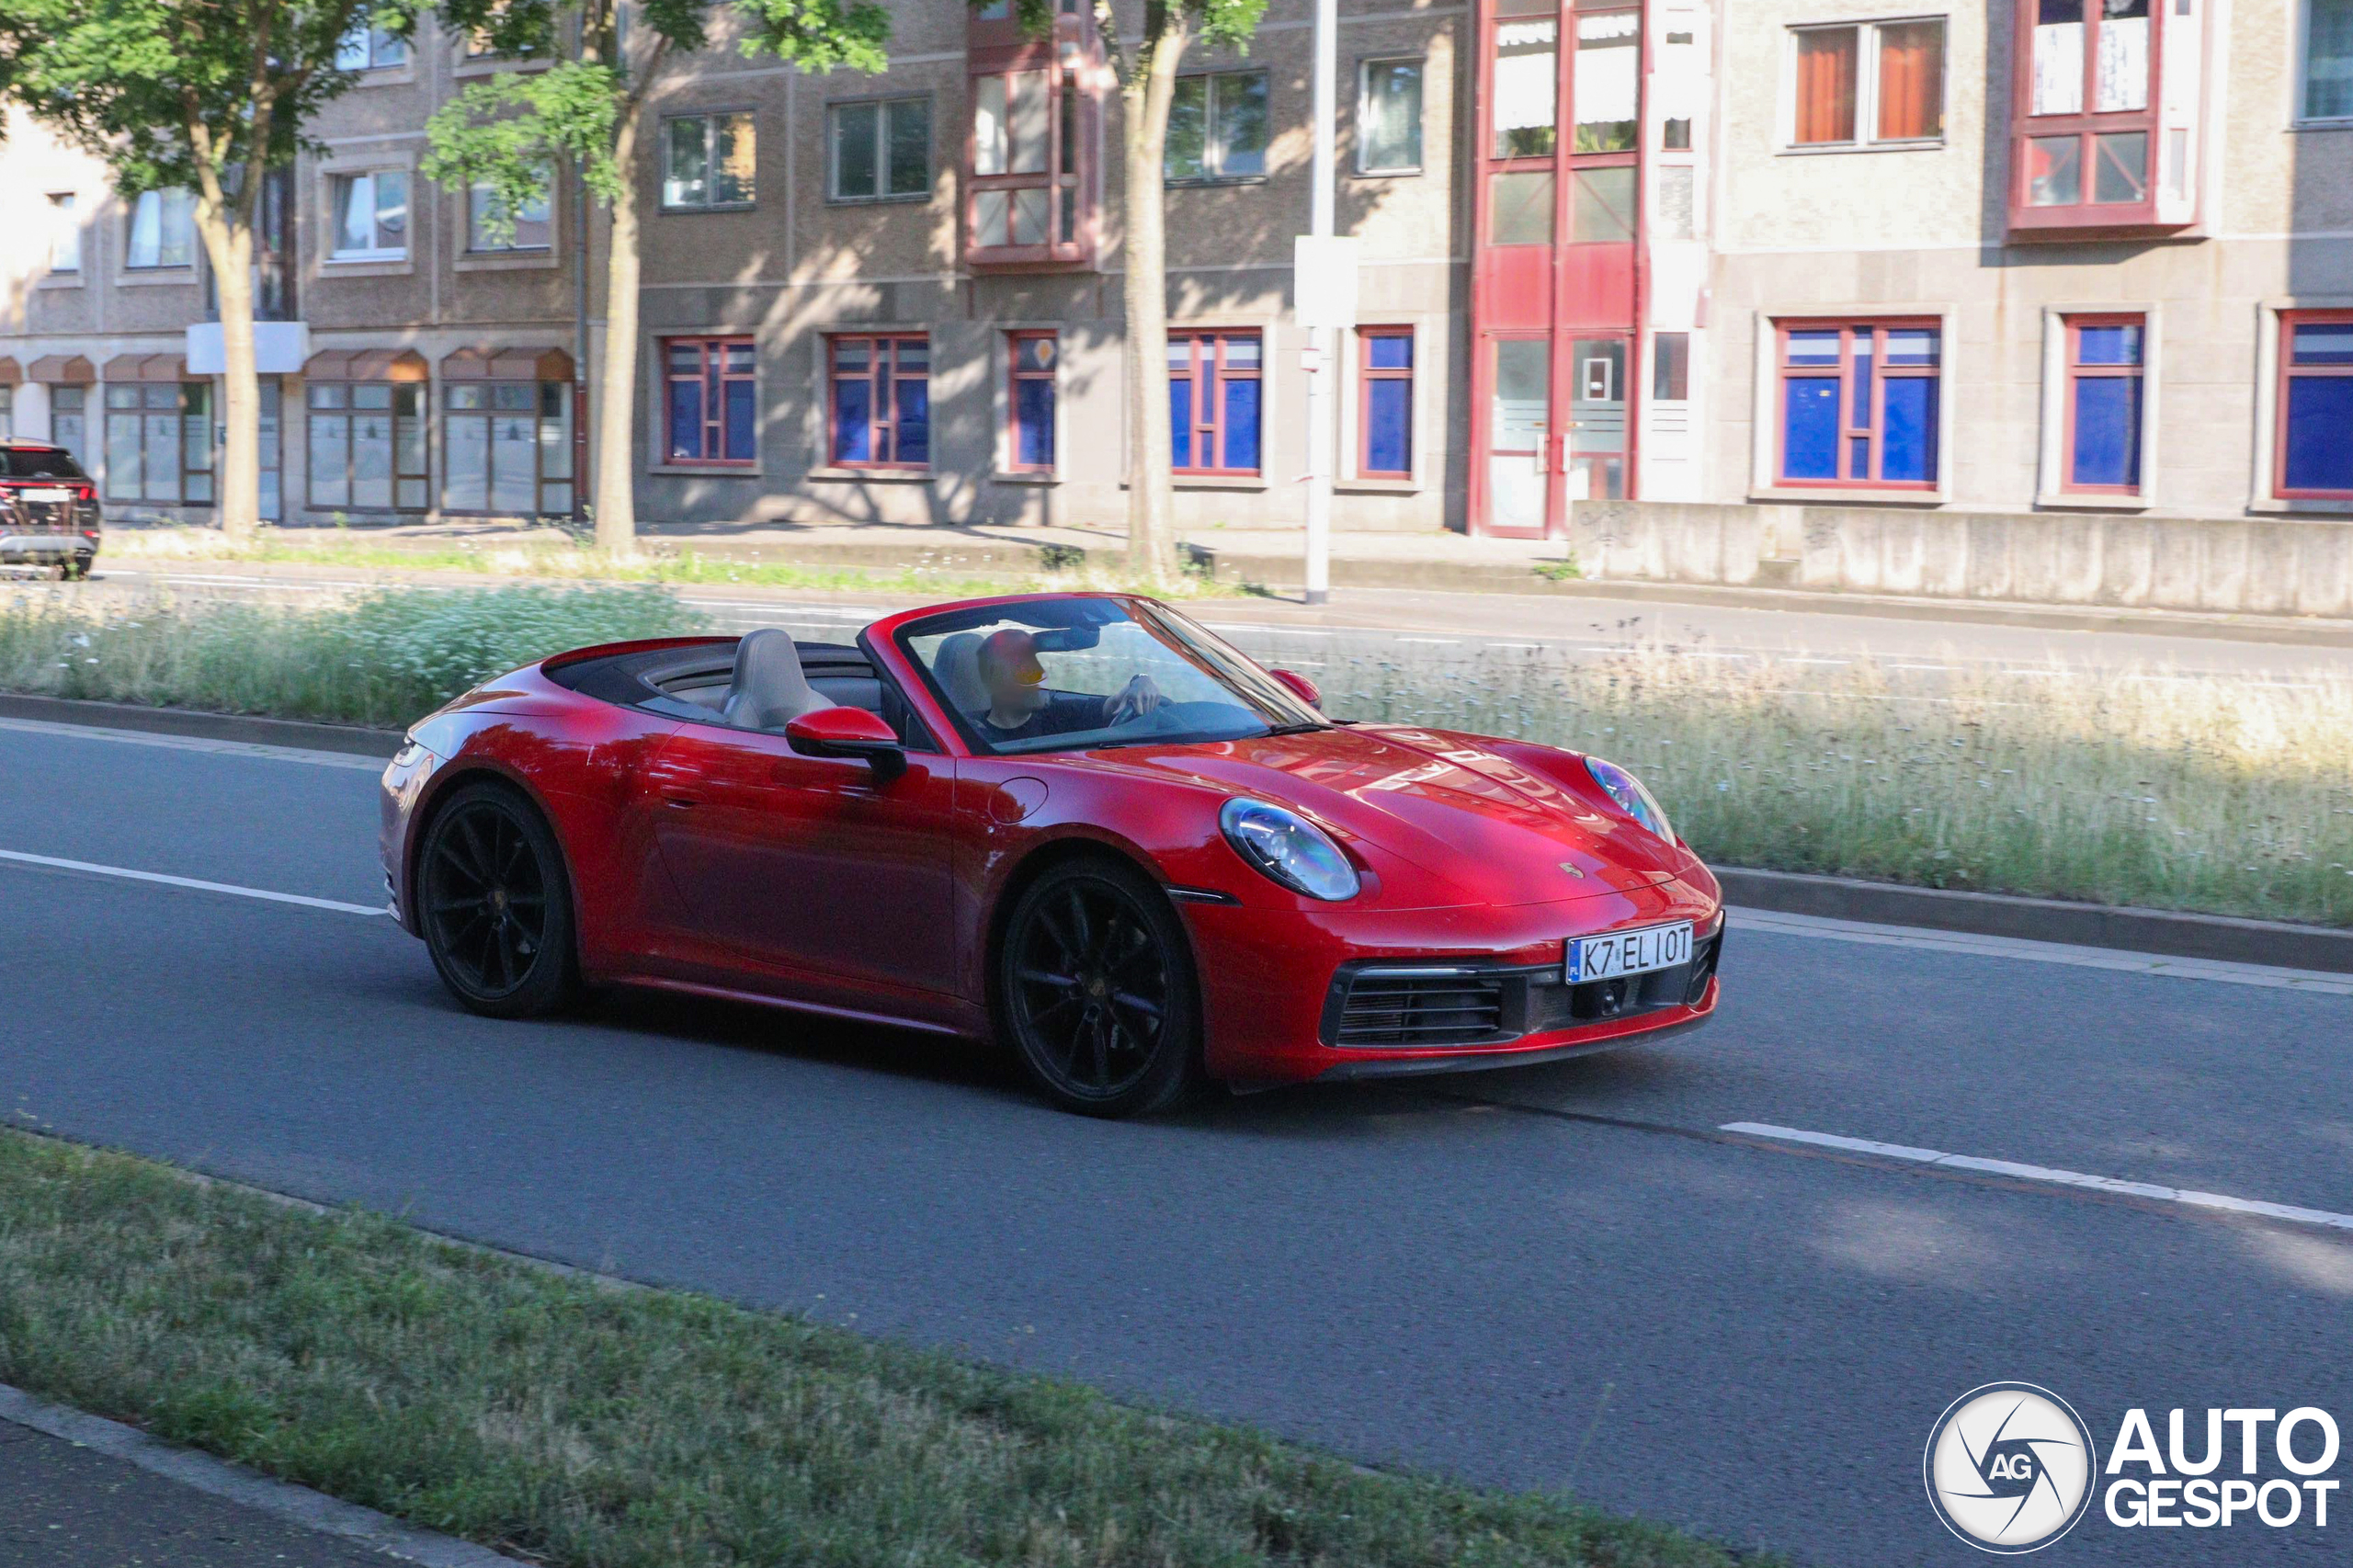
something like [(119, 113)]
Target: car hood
[(1441, 818)]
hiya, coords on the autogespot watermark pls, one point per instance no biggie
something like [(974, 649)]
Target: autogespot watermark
[(2011, 1468)]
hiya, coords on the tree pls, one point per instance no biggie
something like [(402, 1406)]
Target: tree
[(207, 95), (586, 112), (1147, 81)]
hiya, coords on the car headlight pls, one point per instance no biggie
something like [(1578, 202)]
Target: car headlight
[(410, 753), (1289, 849), (1632, 798)]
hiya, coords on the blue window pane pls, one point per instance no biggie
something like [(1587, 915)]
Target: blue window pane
[(2108, 346), (686, 419), (1908, 442), (1814, 348), (1913, 345), (854, 420), (2107, 431), (1858, 408), (1859, 457), (1033, 413), (1390, 351), (2324, 343), (1242, 424), (1389, 439), (2320, 433), (1810, 428), (743, 423), (915, 420), (1180, 421)]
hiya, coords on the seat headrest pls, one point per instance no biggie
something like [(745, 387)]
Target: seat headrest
[(959, 668), (770, 686)]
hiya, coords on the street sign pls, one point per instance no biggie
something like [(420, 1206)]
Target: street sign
[(1326, 282)]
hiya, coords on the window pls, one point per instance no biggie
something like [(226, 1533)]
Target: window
[(1671, 367), (2315, 459), (163, 229), (1527, 87), (69, 420), (1870, 84), (7, 413), (64, 233), (1608, 79), (1027, 154), (1861, 404), (712, 398), (1217, 128), (881, 151), (2329, 60), (159, 441), (1389, 118), (1030, 440), (506, 448), (369, 49), (491, 228), (370, 215), (1385, 402), (707, 161), (367, 445), (881, 402), (2107, 360), (2086, 138), (1215, 387)]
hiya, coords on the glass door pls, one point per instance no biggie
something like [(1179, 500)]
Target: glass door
[(1596, 419), (1520, 437)]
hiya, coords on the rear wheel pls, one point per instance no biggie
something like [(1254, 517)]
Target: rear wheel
[(496, 905), (1096, 989)]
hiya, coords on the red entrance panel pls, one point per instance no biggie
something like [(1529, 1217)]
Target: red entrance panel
[(1556, 279)]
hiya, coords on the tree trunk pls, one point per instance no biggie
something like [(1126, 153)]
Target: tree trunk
[(616, 413), (229, 246), (1145, 97)]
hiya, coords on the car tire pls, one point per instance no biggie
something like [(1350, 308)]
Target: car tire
[(1095, 990), (495, 904), (74, 571)]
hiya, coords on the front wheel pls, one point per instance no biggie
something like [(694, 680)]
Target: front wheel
[(496, 905), (1096, 989)]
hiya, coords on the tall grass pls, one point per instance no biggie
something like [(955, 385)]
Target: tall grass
[(2224, 794)]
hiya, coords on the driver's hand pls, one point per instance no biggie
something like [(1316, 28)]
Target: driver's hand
[(1138, 697)]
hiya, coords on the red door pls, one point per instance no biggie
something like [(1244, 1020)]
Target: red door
[(831, 886)]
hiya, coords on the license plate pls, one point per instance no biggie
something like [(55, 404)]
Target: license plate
[(48, 495), (1628, 952)]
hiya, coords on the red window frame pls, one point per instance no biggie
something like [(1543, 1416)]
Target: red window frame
[(1212, 429), (2085, 127), (2077, 372), (883, 376), (714, 409), (1017, 372), (1848, 431), (1367, 375), (2289, 372), (1064, 180)]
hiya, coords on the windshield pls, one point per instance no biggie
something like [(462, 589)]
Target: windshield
[(33, 462), (1076, 674)]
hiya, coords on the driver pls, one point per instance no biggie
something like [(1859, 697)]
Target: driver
[(1021, 708)]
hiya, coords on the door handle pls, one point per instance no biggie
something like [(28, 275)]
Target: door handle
[(678, 803)]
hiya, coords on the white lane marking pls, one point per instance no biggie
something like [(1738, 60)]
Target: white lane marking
[(2321, 981), (54, 863), (198, 743), (2049, 1176)]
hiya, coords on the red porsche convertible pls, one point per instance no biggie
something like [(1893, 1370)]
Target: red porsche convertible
[(1076, 823)]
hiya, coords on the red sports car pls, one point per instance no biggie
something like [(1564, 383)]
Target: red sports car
[(1076, 823)]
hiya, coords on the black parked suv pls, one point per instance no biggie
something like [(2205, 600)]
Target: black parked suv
[(48, 510)]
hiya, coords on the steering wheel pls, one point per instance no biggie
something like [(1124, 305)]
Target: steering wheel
[(1136, 699)]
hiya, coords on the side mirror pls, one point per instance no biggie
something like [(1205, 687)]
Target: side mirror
[(1300, 687), (848, 732)]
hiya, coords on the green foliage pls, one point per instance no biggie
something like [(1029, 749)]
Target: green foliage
[(511, 130)]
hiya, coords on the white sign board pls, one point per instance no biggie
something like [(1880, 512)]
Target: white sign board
[(1325, 284), (280, 349)]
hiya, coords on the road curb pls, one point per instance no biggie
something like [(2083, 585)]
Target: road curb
[(2270, 943), (248, 1488), (353, 740)]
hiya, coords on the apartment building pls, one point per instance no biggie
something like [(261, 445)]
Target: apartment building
[(2081, 257)]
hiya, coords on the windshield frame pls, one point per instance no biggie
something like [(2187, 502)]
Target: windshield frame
[(1242, 678)]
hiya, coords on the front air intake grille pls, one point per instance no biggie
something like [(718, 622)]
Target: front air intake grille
[(1410, 1009)]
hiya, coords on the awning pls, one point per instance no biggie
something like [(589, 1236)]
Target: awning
[(367, 365), (11, 373), (62, 371), (506, 365), (147, 368)]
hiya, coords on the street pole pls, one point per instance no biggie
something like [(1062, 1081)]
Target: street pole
[(1321, 369)]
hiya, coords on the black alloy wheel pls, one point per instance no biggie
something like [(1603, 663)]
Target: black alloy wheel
[(495, 904), (1096, 988)]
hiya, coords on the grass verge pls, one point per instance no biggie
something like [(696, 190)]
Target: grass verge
[(578, 1424)]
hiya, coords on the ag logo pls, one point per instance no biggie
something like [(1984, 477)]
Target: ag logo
[(2010, 1468)]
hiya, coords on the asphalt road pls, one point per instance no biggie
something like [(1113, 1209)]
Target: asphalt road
[(1563, 1277)]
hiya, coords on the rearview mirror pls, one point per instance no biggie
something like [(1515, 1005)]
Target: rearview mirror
[(848, 732), (1300, 687)]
